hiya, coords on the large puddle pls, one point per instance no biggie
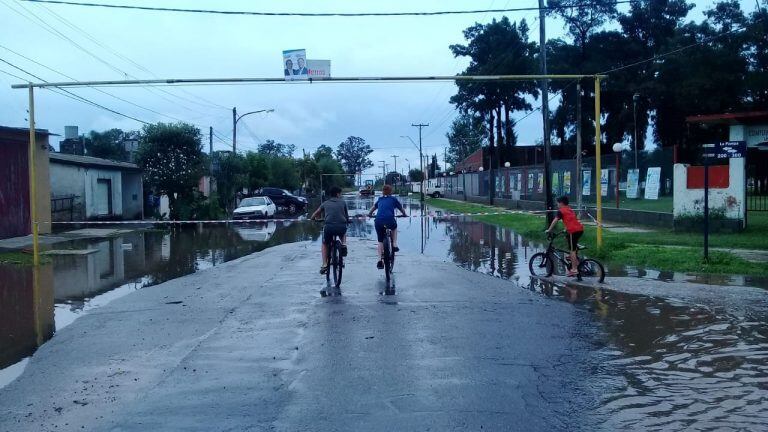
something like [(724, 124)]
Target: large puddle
[(683, 355)]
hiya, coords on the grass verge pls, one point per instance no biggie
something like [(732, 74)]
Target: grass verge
[(641, 249), (20, 258)]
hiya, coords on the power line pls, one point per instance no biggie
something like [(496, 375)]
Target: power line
[(71, 95), (683, 48), (49, 28), (95, 88), (207, 103), (317, 14)]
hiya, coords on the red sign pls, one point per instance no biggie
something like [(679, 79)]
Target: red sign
[(718, 177)]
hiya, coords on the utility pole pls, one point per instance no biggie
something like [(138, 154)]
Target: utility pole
[(210, 160), (421, 158), (384, 171), (548, 202), (578, 147), (234, 129), (395, 158)]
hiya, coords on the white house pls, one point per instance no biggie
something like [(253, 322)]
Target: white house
[(100, 188)]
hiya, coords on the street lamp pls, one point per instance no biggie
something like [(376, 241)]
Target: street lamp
[(507, 164), (617, 149), (236, 118), (635, 100)]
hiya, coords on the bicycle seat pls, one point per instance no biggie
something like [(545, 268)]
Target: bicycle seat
[(580, 246)]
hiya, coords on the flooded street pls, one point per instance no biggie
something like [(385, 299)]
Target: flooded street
[(680, 355)]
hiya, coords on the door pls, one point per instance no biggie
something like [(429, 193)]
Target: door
[(103, 197)]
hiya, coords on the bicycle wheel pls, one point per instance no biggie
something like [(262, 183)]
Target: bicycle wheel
[(387, 255), (338, 263), (541, 265), (329, 253), (591, 271)]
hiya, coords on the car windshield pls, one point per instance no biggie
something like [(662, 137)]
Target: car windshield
[(257, 201)]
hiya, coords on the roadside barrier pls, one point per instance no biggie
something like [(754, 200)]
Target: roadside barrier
[(430, 215)]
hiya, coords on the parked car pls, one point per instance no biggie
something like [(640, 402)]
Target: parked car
[(284, 200), (255, 208)]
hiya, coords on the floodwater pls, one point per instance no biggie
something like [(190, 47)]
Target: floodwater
[(681, 354)]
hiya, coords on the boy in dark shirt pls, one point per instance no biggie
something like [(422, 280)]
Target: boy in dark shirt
[(336, 218)]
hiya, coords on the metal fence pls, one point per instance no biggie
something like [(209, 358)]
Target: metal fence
[(527, 182)]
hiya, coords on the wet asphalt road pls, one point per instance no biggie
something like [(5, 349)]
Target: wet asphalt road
[(251, 346)]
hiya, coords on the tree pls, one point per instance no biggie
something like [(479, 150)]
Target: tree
[(433, 169), (231, 174), (323, 152), (171, 158), (257, 170), (500, 47), (107, 144), (353, 155), (464, 138), (415, 175), (272, 148)]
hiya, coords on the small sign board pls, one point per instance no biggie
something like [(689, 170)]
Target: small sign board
[(725, 150), (633, 177), (652, 183), (567, 182), (586, 182), (603, 182)]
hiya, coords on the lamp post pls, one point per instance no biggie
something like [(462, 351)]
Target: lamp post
[(635, 100), (236, 118), (617, 148)]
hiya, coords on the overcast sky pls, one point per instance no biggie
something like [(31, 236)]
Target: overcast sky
[(107, 44)]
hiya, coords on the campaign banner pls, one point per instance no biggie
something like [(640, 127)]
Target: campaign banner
[(519, 183), (604, 182), (530, 182), (652, 183), (318, 69), (633, 177), (586, 182), (567, 182), (540, 187), (295, 65)]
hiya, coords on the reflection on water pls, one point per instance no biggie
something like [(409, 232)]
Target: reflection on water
[(104, 269)]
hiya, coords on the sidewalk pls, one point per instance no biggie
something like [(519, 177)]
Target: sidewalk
[(25, 242), (251, 345)]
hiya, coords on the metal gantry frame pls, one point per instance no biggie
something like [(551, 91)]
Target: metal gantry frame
[(234, 81)]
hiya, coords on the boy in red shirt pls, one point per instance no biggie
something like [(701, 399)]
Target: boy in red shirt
[(574, 230)]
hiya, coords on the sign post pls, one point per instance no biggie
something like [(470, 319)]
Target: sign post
[(706, 207)]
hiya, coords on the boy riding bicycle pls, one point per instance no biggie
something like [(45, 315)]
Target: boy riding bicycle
[(336, 218), (574, 230), (385, 218)]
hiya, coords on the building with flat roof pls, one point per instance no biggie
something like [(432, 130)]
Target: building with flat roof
[(98, 188)]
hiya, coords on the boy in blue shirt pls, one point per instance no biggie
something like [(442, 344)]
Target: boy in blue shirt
[(385, 218)]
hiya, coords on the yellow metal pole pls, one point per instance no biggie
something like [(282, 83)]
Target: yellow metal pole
[(598, 167), (33, 178)]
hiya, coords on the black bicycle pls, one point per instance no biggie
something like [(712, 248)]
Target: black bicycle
[(335, 260), (542, 264), (388, 255)]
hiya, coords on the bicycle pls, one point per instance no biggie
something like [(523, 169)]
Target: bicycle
[(335, 261), (388, 254), (542, 264)]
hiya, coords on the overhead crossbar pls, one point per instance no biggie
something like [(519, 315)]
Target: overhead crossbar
[(182, 81)]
